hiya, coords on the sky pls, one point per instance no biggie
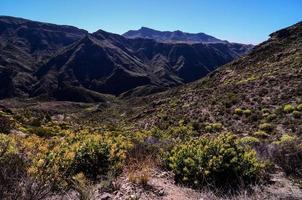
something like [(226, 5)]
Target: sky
[(245, 21)]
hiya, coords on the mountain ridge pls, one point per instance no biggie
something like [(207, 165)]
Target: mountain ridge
[(43, 59), (174, 36)]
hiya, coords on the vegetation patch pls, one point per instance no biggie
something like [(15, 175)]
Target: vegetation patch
[(288, 108), (288, 154), (215, 161)]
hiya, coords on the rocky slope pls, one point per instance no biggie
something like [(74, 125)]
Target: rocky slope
[(24, 45), (242, 95)]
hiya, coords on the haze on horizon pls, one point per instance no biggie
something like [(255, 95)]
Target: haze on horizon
[(236, 21)]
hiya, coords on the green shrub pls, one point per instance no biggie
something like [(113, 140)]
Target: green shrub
[(266, 127), (288, 154), (265, 110), (217, 126), (286, 138), (212, 127), (230, 99), (299, 107), (41, 131), (247, 112), (238, 111), (271, 117), (91, 154), (181, 132), (12, 169), (214, 162), (261, 134), (288, 108), (297, 114), (248, 140), (5, 124), (92, 158)]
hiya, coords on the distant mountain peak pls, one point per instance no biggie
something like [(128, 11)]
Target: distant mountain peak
[(177, 36), (146, 28)]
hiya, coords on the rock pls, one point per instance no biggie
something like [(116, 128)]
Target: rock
[(106, 196), (18, 132), (161, 192), (133, 196), (58, 118)]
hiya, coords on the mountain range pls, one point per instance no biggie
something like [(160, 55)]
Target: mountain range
[(172, 36), (66, 63)]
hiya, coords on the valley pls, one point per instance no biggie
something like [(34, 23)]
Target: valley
[(103, 116)]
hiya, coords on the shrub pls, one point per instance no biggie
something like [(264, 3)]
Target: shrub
[(266, 127), (212, 127), (42, 132), (261, 134), (14, 180), (286, 138), (5, 124), (297, 114), (271, 117), (265, 110), (230, 99), (299, 107), (248, 140), (92, 158), (247, 112), (91, 154), (288, 108), (214, 161), (288, 154), (238, 111)]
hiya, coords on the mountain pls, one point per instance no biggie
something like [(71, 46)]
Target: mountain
[(173, 36), (66, 63), (24, 45), (243, 96)]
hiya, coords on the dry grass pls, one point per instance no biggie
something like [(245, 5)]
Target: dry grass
[(141, 163), (139, 172)]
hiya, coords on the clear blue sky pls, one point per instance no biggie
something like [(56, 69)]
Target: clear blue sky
[(246, 21)]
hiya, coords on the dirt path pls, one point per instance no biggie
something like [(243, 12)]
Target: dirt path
[(284, 188), (161, 186)]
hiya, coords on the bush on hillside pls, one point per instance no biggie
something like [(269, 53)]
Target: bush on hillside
[(15, 182), (296, 114), (5, 124), (266, 127), (288, 154), (213, 127), (248, 140), (288, 108), (214, 162)]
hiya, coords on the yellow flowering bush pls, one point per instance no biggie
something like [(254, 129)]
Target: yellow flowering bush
[(91, 154), (215, 161)]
